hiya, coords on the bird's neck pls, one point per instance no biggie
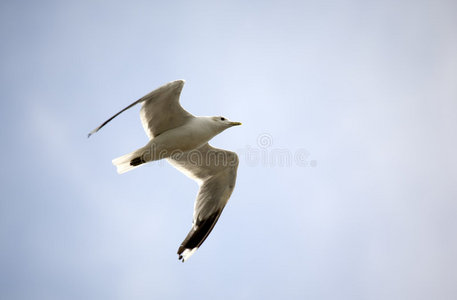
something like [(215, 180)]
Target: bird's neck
[(207, 125)]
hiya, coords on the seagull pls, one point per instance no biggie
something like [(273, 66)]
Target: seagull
[(182, 139)]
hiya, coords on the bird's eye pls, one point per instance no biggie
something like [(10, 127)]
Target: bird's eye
[(222, 119)]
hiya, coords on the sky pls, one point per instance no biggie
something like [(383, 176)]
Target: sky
[(346, 186)]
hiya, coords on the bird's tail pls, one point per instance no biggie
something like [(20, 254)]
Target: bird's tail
[(131, 160)]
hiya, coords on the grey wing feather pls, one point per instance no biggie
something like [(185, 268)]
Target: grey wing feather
[(161, 110), (215, 171)]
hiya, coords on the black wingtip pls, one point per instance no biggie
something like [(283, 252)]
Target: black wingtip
[(198, 234), (137, 161), (92, 132)]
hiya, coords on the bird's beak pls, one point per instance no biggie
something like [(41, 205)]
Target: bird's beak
[(235, 123)]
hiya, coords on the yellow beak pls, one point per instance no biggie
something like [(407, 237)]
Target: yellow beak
[(235, 123)]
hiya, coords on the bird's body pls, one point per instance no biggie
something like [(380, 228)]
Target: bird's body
[(182, 139)]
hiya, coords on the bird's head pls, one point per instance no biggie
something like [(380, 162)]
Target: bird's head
[(224, 123)]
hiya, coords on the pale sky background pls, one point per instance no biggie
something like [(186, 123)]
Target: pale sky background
[(362, 95)]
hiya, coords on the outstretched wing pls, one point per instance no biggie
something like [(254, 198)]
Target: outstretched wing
[(215, 171), (161, 110)]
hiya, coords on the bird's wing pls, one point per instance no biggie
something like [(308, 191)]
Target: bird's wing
[(161, 110), (215, 171)]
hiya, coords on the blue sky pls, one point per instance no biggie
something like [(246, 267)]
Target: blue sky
[(360, 96)]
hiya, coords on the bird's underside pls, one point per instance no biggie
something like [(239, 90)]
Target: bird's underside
[(214, 169)]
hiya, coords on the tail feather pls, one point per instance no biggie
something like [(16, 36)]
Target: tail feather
[(129, 161)]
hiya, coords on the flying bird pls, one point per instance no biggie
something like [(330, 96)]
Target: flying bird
[(182, 139)]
